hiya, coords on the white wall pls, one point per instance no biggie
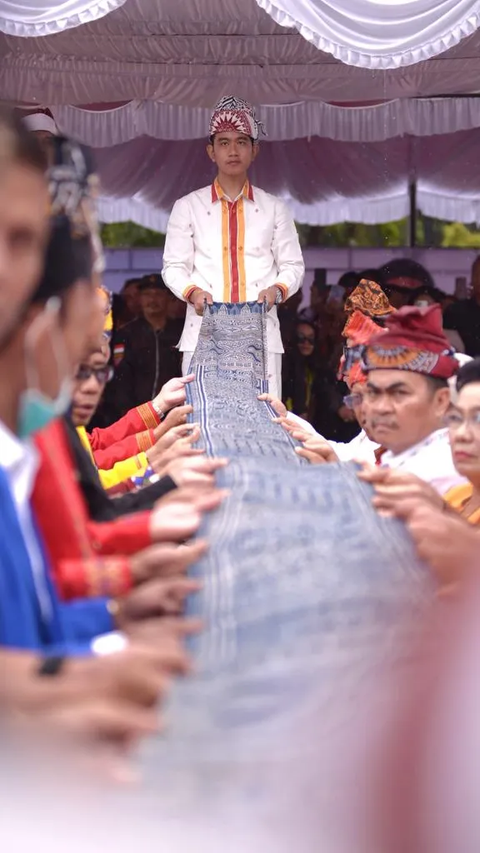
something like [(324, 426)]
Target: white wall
[(444, 264)]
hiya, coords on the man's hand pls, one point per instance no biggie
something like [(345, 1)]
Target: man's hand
[(198, 299), (173, 393), (447, 543), (177, 516), (346, 414), (194, 471), (395, 490), (103, 721), (159, 459), (275, 403), (155, 598), (175, 417), (270, 294), (165, 560), (317, 450)]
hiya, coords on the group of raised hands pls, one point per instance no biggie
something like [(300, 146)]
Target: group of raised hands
[(105, 704), (444, 540)]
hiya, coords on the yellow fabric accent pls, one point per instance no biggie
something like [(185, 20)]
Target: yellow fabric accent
[(458, 497), (242, 279), (225, 252), (133, 467)]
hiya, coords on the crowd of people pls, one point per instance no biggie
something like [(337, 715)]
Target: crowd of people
[(148, 320), (99, 523)]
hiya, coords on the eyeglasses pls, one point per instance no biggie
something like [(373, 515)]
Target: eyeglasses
[(455, 420), (306, 339), (101, 374), (353, 400)]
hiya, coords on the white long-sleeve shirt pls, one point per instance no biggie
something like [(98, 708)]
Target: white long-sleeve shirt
[(233, 250), (430, 459)]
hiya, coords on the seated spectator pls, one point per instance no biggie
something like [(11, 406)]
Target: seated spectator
[(149, 358), (299, 371), (349, 281), (464, 316), (402, 278), (130, 294), (288, 319), (432, 296)]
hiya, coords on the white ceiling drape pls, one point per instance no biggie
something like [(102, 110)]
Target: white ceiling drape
[(372, 123), (378, 33), (190, 52), (42, 17)]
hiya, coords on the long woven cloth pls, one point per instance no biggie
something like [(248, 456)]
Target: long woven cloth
[(309, 597)]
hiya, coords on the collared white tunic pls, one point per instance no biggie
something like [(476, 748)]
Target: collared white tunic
[(233, 250)]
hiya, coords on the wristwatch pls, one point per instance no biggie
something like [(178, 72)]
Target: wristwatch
[(279, 296)]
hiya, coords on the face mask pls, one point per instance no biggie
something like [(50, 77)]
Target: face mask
[(36, 409)]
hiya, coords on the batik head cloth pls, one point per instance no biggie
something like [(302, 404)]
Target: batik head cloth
[(233, 114), (413, 340), (367, 301), (368, 298)]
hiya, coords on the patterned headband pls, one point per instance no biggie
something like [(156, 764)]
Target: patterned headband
[(234, 114)]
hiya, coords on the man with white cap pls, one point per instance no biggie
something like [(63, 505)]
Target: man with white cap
[(232, 242), (41, 123)]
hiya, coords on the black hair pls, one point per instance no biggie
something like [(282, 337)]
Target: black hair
[(152, 282), (349, 279), (468, 373), (67, 261), (130, 281), (435, 383), (211, 139), (406, 268), (372, 275), (18, 144)]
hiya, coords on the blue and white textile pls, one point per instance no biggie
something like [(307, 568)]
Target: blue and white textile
[(308, 595)]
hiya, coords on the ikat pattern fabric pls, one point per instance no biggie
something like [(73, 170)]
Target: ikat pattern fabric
[(309, 598)]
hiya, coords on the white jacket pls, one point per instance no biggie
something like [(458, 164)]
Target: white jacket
[(233, 250)]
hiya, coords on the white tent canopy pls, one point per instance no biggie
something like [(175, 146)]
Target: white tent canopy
[(151, 70)]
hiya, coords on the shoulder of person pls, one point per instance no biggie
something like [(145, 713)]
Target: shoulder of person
[(263, 197), (203, 194)]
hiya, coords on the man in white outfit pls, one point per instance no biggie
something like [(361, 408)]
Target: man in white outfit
[(230, 241)]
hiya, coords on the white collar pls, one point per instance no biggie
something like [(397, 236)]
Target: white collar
[(433, 438), (18, 458)]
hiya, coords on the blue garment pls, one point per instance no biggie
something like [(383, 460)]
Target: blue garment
[(68, 628)]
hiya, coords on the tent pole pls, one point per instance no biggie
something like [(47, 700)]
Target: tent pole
[(412, 220)]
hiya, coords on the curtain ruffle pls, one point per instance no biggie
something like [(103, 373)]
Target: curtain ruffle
[(378, 34), (420, 117)]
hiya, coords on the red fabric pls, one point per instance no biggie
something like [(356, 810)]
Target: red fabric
[(78, 546), (359, 329), (355, 376), (419, 330), (118, 441)]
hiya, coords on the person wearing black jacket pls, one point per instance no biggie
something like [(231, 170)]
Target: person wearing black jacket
[(149, 355), (101, 506)]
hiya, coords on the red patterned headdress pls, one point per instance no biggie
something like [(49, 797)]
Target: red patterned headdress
[(413, 340), (234, 114), (367, 301)]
